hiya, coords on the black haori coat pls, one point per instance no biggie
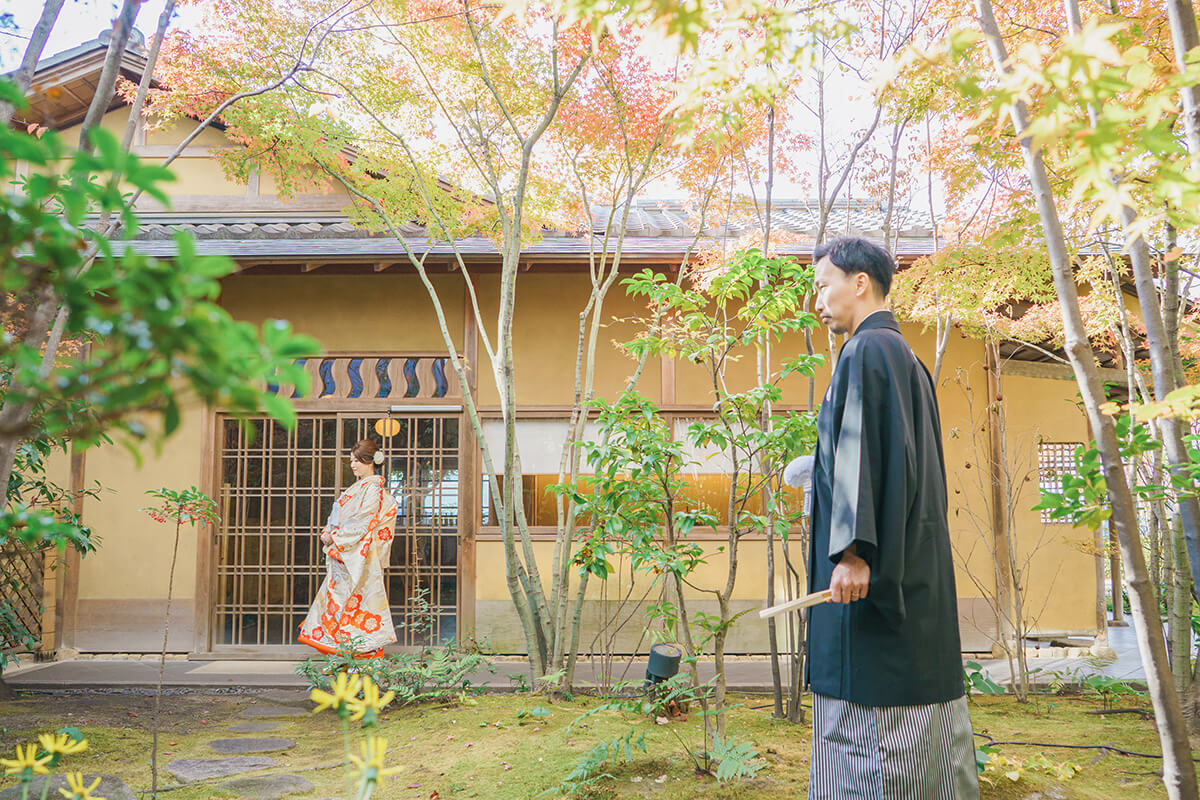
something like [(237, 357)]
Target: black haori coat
[(880, 481)]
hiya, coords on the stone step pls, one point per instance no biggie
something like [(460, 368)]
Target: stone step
[(270, 711), (288, 697), (268, 787), (254, 727), (250, 745), (187, 770)]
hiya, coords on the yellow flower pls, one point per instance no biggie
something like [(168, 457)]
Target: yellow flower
[(26, 759), (370, 766), (78, 790), (62, 744), (345, 690), (371, 701)]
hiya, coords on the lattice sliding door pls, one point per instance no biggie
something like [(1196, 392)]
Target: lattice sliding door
[(276, 490)]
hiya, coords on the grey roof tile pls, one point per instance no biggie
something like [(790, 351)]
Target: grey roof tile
[(653, 228)]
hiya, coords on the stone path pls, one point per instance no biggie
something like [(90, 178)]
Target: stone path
[(254, 727), (188, 770), (248, 745), (288, 697), (271, 711), (252, 787), (268, 787)]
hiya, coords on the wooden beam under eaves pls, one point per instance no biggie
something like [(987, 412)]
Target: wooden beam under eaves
[(383, 266), (310, 266)]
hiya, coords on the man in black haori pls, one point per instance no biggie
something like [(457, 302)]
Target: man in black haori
[(884, 661)]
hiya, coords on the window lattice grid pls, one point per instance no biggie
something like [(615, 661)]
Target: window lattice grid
[(1055, 459), (277, 488), (20, 594)]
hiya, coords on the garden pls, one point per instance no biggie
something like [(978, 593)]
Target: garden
[(1078, 741), (447, 154)]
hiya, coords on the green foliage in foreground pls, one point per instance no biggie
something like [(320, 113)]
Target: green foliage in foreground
[(142, 337)]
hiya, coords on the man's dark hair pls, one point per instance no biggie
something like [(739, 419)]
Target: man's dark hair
[(852, 254)]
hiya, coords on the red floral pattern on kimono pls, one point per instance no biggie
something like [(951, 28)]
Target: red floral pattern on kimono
[(351, 608)]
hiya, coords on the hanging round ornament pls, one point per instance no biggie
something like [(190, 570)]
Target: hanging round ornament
[(387, 427)]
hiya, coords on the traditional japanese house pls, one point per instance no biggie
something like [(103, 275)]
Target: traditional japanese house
[(243, 586)]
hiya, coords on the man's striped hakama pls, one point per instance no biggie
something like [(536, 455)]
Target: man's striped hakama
[(892, 752)]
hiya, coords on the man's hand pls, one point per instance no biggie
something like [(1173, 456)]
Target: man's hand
[(851, 577)]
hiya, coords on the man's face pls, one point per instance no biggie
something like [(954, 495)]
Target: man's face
[(839, 295)]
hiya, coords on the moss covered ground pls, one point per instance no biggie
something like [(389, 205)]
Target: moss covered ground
[(486, 747)]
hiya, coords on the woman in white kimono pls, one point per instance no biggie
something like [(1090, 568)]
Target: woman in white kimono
[(350, 612)]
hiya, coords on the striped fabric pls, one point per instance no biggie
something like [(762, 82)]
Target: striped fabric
[(892, 752)]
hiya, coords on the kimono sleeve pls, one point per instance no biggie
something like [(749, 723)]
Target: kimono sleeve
[(856, 466), (352, 539), (872, 481), (332, 524)]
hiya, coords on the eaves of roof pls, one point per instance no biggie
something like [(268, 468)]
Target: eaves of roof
[(374, 249), (64, 84)]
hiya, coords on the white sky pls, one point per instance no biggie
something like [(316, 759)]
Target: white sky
[(79, 21), (83, 20)]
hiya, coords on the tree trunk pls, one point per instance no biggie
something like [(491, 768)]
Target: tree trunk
[(106, 84), (23, 76), (1179, 774), (764, 368), (1185, 38), (162, 660), (1162, 364), (1180, 618)]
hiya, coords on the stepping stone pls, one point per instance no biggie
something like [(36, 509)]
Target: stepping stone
[(110, 787), (254, 727), (268, 787), (187, 770), (236, 746), (269, 711), (288, 697)]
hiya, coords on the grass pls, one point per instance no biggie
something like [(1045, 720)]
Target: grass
[(482, 748)]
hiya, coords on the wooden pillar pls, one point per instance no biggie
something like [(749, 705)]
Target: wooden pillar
[(1099, 542), (206, 537), (1001, 541), (667, 373), (67, 610), (1118, 580), (469, 481), (48, 642)]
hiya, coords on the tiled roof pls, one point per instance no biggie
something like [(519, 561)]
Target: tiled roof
[(648, 220), (797, 217), (653, 230)]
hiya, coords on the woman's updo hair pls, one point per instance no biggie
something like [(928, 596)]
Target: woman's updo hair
[(364, 451)]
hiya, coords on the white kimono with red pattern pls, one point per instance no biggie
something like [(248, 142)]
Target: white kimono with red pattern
[(350, 612)]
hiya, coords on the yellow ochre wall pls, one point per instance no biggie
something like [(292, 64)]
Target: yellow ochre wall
[(198, 173), (123, 584), (1061, 578), (360, 313), (391, 312)]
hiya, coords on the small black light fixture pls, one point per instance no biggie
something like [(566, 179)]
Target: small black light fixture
[(664, 662)]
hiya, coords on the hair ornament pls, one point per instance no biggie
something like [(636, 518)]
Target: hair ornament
[(378, 457)]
